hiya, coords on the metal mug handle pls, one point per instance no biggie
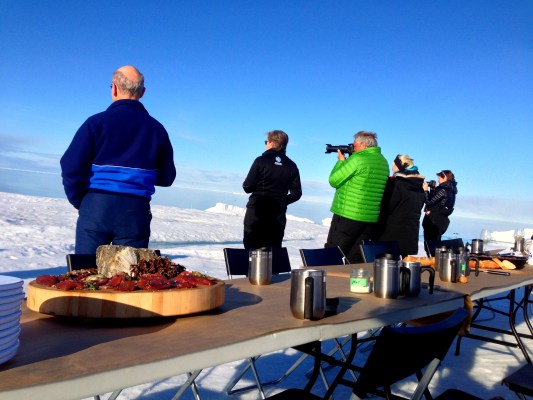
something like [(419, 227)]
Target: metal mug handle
[(431, 272), (405, 280), (477, 263), (309, 297), (454, 271)]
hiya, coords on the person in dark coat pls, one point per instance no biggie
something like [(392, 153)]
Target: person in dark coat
[(440, 203), (401, 206), (274, 183)]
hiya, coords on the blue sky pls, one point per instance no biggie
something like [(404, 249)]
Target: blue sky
[(448, 82)]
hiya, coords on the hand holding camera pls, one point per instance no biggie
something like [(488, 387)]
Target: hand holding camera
[(427, 185)]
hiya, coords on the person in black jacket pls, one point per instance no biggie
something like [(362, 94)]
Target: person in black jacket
[(440, 202), (401, 206), (274, 183)]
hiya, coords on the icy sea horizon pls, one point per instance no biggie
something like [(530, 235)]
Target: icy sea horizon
[(48, 184)]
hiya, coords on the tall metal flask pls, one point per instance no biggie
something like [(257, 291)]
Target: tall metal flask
[(438, 251), (260, 269)]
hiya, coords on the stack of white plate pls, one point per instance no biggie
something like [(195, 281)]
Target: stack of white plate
[(11, 298)]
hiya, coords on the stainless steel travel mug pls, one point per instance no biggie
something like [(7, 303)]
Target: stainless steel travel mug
[(308, 293), (260, 270)]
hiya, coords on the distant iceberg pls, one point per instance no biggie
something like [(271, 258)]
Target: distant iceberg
[(221, 208)]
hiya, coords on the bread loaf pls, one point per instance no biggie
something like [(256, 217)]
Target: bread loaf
[(485, 264), (506, 264), (424, 261)]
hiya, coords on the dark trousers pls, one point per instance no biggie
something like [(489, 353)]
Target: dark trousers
[(435, 225), (348, 235), (431, 231), (110, 218), (264, 225)]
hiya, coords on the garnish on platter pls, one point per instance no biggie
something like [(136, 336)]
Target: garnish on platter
[(126, 283), (154, 274)]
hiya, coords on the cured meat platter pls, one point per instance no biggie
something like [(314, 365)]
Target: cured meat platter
[(116, 304), (151, 288)]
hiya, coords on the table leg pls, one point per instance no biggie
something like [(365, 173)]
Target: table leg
[(345, 366), (513, 308), (512, 322), (527, 294), (190, 382), (315, 351)]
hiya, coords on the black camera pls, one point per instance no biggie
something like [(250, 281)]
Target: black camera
[(344, 149), (432, 184)]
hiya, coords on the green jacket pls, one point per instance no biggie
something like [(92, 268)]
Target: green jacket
[(359, 182)]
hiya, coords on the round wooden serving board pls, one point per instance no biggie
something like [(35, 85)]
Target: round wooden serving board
[(115, 304)]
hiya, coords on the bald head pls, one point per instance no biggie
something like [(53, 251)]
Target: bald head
[(128, 83)]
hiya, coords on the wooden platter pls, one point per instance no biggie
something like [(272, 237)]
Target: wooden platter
[(115, 304)]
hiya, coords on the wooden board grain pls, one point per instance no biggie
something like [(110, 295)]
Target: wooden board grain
[(114, 304)]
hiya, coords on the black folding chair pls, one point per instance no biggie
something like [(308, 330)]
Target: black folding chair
[(453, 244), (398, 353), (521, 381), (86, 261), (81, 261), (323, 256), (238, 261), (370, 249)]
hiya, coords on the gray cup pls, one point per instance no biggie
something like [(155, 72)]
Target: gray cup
[(411, 283), (387, 275), (477, 246), (308, 293), (449, 270), (520, 245), (260, 269)]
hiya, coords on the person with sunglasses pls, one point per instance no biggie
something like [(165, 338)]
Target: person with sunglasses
[(273, 183), (440, 202)]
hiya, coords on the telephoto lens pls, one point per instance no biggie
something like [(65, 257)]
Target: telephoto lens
[(345, 149)]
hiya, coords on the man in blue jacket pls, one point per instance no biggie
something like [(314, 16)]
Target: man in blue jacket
[(112, 166)]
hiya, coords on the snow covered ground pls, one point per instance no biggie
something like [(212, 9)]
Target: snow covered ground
[(37, 232)]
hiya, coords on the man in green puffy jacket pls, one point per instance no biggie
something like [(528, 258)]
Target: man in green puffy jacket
[(359, 181)]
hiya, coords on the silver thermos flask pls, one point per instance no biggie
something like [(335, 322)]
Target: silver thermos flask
[(260, 269)]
